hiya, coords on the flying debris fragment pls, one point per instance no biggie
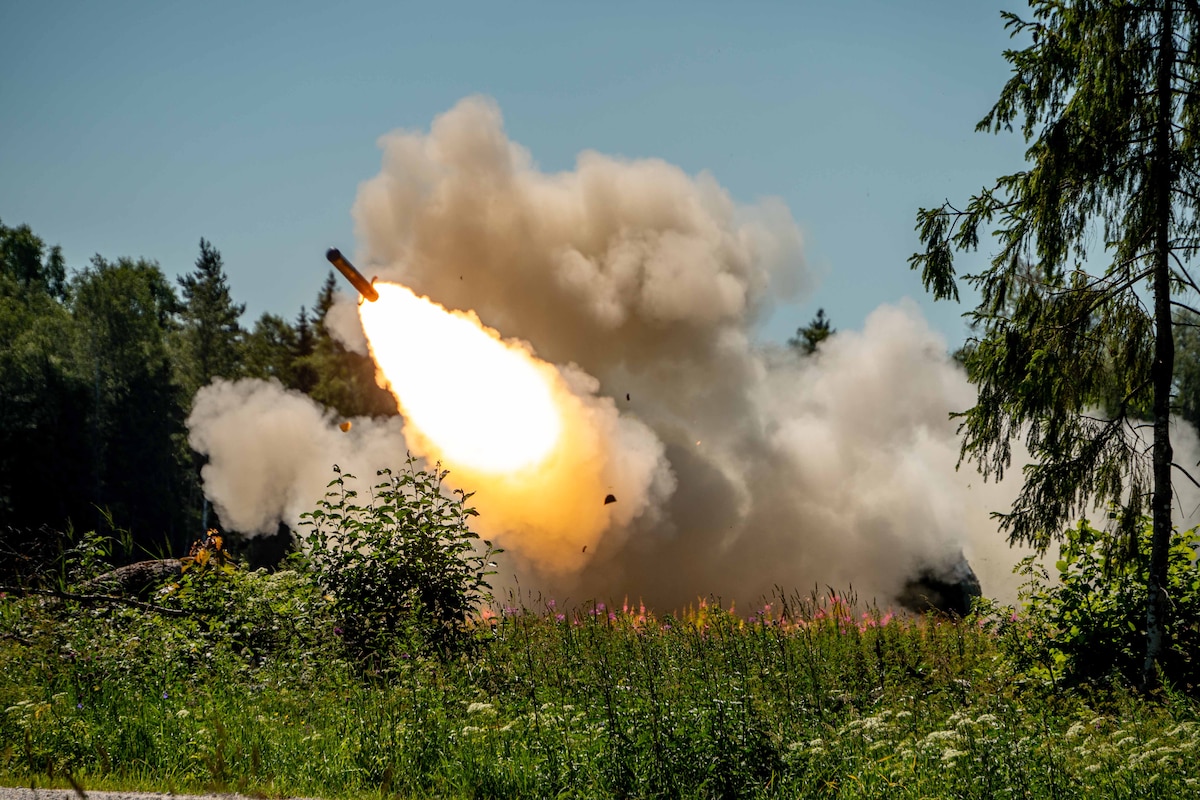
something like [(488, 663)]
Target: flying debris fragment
[(355, 277), (346, 426), (608, 498)]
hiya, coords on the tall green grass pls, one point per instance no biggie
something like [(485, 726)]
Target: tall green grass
[(804, 698)]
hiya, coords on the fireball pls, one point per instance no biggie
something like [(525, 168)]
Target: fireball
[(486, 405)]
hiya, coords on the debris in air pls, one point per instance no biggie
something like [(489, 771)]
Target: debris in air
[(345, 426), (608, 498)]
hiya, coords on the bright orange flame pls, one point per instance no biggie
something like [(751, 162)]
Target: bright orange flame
[(486, 406)]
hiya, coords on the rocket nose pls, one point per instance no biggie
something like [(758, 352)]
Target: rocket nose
[(333, 253)]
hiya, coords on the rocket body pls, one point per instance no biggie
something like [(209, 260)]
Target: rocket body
[(355, 277)]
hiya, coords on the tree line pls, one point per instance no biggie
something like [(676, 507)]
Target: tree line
[(98, 371)]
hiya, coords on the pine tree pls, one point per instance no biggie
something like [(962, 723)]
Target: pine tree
[(304, 375), (211, 335), (1109, 98), (810, 336), (343, 380)]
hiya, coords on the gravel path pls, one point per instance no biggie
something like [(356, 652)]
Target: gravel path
[(69, 794)]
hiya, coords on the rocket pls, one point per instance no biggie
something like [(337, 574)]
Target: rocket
[(355, 277)]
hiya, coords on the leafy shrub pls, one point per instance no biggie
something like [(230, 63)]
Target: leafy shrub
[(255, 614), (1091, 623), (403, 562)]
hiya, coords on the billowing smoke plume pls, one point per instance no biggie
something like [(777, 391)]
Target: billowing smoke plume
[(642, 284)]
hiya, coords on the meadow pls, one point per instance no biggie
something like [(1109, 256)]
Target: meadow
[(256, 687)]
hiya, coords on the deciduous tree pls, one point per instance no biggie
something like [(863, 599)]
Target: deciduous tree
[(124, 315)]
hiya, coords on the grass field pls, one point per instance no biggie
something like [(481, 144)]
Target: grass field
[(799, 698)]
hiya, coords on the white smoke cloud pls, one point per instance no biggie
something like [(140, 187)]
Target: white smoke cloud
[(742, 466), (271, 451)]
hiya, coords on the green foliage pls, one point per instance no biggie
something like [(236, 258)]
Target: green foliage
[(1055, 339), (268, 351), (334, 376), (803, 699), (124, 316), (23, 258), (403, 562), (1106, 97), (210, 335), (810, 336), (1187, 366), (44, 404), (1088, 624)]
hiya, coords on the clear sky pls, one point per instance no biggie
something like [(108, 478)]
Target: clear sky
[(135, 128)]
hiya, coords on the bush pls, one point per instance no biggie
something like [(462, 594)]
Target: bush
[(1091, 623), (404, 563)]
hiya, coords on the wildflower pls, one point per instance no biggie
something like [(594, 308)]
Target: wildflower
[(1075, 730), (950, 754), (164, 696), (938, 737), (183, 713), (480, 708)]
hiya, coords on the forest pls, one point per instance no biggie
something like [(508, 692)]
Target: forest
[(99, 366)]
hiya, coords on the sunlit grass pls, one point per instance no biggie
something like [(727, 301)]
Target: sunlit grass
[(805, 697)]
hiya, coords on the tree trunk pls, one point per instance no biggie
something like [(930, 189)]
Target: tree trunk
[(1164, 356)]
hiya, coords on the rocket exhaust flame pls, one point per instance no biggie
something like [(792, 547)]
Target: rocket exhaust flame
[(533, 441), (482, 404)]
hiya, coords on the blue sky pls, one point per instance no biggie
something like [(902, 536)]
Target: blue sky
[(136, 128)]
